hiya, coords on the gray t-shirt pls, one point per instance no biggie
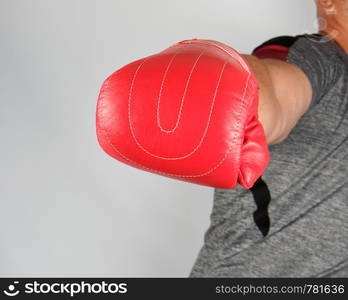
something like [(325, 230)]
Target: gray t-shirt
[(308, 181)]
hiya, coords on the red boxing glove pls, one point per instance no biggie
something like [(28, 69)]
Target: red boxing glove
[(189, 112)]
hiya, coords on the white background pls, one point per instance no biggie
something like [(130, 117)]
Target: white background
[(66, 208)]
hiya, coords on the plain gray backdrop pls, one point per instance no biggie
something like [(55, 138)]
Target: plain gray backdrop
[(66, 208)]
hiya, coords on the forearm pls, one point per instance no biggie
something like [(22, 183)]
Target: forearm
[(284, 96), (270, 114)]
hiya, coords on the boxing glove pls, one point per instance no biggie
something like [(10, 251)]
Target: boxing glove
[(189, 112)]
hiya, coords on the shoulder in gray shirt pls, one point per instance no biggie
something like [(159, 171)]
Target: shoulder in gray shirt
[(307, 178)]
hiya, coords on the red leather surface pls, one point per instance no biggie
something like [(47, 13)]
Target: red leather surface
[(189, 113)]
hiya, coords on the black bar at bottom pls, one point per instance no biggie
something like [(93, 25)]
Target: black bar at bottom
[(173, 288)]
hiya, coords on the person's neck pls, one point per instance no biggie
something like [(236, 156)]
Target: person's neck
[(339, 35), (342, 40)]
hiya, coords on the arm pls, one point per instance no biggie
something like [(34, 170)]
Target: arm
[(285, 95)]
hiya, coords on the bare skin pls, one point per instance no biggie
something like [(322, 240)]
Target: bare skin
[(333, 20), (285, 91)]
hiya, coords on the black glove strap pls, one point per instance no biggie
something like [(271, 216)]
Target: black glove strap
[(262, 198)]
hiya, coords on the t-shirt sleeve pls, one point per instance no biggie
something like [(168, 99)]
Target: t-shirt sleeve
[(310, 53)]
